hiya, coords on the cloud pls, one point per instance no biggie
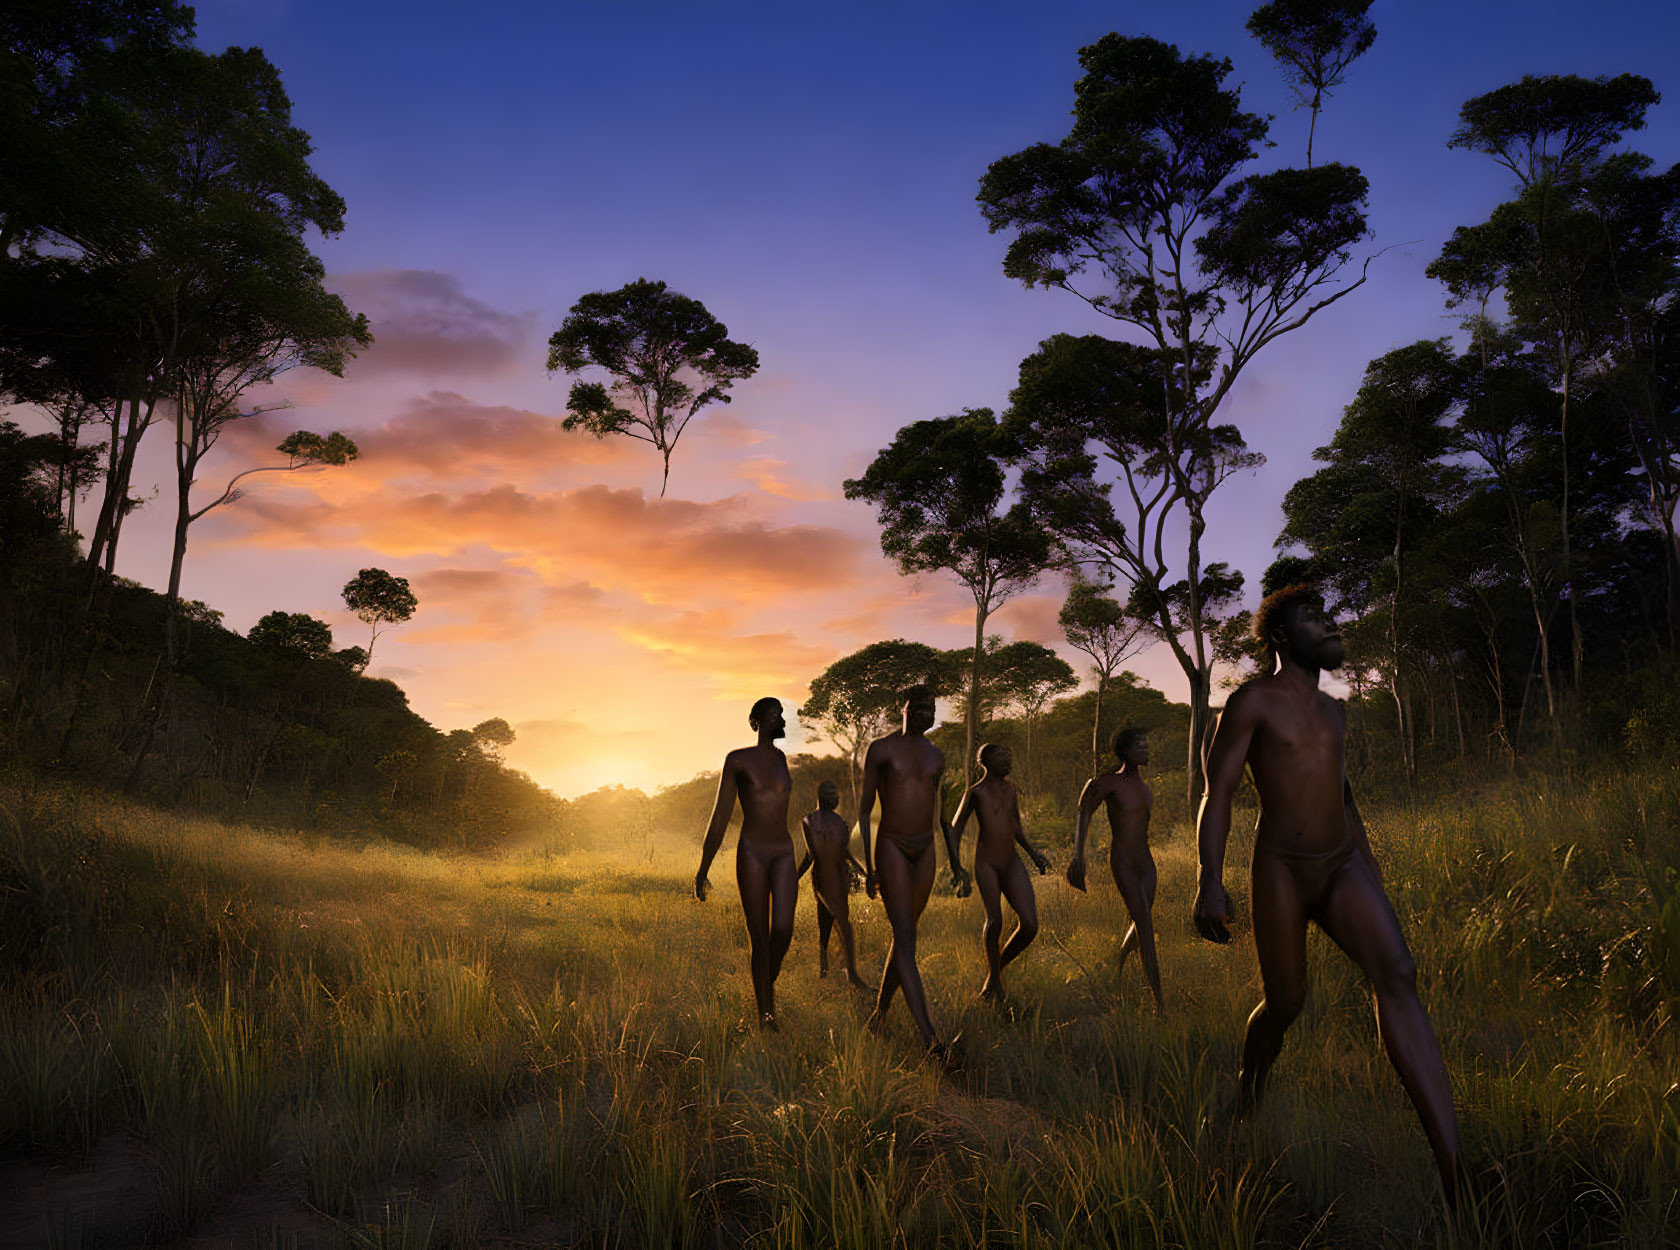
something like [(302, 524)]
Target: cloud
[(741, 665), (664, 550), (423, 323), (768, 474), (1032, 618)]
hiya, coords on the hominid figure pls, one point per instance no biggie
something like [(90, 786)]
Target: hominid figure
[(1312, 862), (1127, 797), (905, 770), (998, 870), (758, 776), (828, 854)]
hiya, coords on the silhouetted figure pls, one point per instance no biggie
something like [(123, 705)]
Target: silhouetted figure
[(997, 868), (904, 768), (1126, 795), (828, 854), (758, 776), (1312, 861)]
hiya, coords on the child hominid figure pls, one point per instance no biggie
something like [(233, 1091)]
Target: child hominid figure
[(997, 868), (828, 854)]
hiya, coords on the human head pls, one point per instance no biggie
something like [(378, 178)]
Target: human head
[(1292, 622), (917, 704), (767, 714), (828, 796), (997, 759), (1131, 745)]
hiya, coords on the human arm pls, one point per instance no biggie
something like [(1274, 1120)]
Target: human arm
[(1040, 860), (866, 804), (960, 880), (1356, 826), (721, 811), (1089, 799), (1226, 757)]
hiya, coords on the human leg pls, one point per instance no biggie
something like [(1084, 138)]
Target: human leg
[(825, 922), (836, 905), (1280, 943), (1359, 918), (986, 882), (905, 884), (753, 879), (784, 897), (1137, 890), (1017, 888)]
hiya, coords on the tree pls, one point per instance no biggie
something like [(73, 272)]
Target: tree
[(855, 699), (1096, 624), (1314, 42), (378, 599), (1140, 212), (667, 356), (938, 491), (1025, 676), (492, 737), (293, 633), (1385, 479), (1544, 248)]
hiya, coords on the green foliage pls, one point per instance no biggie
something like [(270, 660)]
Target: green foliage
[(377, 598), (666, 355), (1314, 42), (296, 633), (1547, 127)]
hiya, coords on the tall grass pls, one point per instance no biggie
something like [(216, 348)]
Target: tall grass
[(404, 1049)]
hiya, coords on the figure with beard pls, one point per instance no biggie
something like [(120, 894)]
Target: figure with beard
[(905, 770), (1312, 862), (758, 776)]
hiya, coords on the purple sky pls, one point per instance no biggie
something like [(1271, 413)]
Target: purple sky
[(808, 171)]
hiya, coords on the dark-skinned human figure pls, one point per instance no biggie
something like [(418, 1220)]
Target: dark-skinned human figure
[(758, 777), (1128, 800), (904, 771), (998, 871), (1312, 863), (828, 856)]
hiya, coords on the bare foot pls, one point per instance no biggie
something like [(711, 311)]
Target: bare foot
[(948, 1055), (876, 1023), (858, 983), (822, 970), (767, 1023)]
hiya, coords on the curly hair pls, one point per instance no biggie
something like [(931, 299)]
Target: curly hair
[(1124, 737), (1274, 609)]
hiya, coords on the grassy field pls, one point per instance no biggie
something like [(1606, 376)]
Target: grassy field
[(221, 1036)]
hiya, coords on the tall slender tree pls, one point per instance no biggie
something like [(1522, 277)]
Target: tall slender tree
[(940, 495), (377, 598), (1142, 211), (1098, 625), (1314, 42), (667, 358)]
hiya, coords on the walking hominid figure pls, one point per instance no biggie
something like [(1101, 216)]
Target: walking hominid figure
[(828, 854), (1312, 861), (997, 868), (905, 769), (1128, 799), (758, 776)]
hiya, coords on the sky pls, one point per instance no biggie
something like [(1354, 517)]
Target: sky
[(808, 172)]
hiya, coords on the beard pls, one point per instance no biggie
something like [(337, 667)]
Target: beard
[(1331, 653)]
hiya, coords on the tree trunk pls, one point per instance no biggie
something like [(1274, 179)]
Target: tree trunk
[(186, 462), (1096, 724), (980, 614), (1577, 647)]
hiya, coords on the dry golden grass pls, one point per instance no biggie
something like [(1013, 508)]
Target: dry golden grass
[(294, 1043)]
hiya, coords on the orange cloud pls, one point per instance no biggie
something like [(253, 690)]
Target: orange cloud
[(741, 665), (766, 473), (664, 549)]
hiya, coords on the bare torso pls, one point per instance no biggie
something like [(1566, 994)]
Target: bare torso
[(1295, 758), (1128, 800), (996, 808), (908, 787), (764, 786), (828, 838)]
